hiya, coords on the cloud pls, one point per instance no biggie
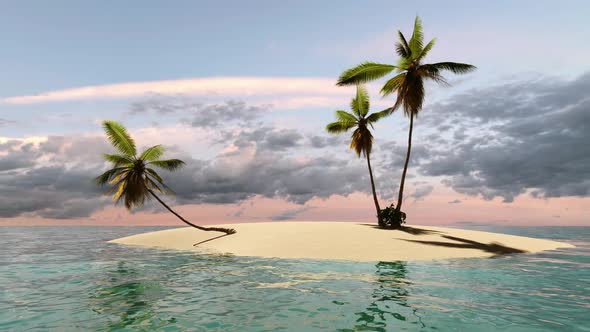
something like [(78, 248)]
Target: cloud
[(519, 137), (422, 191), (52, 177), (208, 86), (54, 174), (321, 142), (456, 201), (291, 214), (197, 114), (266, 138), (250, 170), (284, 93)]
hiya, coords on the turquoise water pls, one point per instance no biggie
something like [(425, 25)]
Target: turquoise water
[(69, 279)]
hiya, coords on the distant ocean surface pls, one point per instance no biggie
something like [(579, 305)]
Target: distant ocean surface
[(70, 279)]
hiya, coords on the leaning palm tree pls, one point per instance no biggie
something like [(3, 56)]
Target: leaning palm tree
[(408, 83), (361, 139), (133, 177)]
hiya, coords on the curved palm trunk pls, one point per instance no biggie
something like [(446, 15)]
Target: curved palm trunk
[(401, 186), (208, 229), (374, 191)]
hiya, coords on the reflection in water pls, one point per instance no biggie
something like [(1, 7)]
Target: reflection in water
[(137, 295), (390, 299), (127, 299), (57, 279)]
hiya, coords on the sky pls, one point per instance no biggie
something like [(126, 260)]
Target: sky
[(242, 91)]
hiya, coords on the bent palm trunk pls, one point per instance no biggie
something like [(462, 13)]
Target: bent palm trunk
[(401, 186), (374, 191), (207, 229)]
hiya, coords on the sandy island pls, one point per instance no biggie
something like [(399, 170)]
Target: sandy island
[(343, 241)]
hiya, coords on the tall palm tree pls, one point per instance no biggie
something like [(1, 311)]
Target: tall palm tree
[(408, 83), (133, 178), (361, 139)]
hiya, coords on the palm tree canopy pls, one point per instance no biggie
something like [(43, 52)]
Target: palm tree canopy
[(362, 139), (132, 177), (408, 83)]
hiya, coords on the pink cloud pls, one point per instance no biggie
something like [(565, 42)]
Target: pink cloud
[(207, 86), (358, 207)]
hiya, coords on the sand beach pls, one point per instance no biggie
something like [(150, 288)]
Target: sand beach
[(343, 241)]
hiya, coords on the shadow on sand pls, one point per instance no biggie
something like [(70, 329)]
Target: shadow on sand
[(211, 239), (495, 248), (406, 229)]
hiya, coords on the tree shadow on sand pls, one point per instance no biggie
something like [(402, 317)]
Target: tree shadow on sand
[(406, 229), (495, 248)]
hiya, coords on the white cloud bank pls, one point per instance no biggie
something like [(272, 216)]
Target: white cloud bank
[(286, 87)]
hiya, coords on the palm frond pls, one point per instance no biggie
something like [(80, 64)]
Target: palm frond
[(363, 73), (417, 40), (410, 94), (105, 177), (360, 104), (454, 67), (153, 153), (153, 174), (136, 191), (426, 49), (401, 47), (345, 117), (361, 141), (414, 95), (403, 64), (119, 138), (169, 165), (339, 127), (120, 176), (117, 160), (393, 84), (153, 185), (432, 73), (379, 115), (118, 191)]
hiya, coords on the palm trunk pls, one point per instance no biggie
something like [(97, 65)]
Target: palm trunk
[(374, 191), (401, 186), (208, 229)]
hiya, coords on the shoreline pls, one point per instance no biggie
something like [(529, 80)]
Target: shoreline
[(343, 241)]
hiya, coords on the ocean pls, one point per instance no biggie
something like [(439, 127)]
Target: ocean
[(69, 279)]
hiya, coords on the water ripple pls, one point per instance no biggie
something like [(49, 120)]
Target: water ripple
[(51, 279)]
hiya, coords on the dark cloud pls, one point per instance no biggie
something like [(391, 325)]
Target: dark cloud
[(231, 179), (320, 142), (456, 201), (197, 114), (502, 141), (291, 214), (52, 179), (422, 191), (525, 136), (266, 138)]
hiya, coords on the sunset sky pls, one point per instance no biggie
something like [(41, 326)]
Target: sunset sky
[(241, 91)]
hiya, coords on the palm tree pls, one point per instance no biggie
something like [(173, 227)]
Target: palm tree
[(361, 139), (133, 178), (408, 83)]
